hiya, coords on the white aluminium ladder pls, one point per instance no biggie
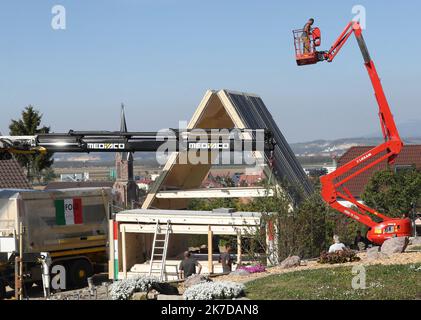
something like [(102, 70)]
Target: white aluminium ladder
[(159, 250)]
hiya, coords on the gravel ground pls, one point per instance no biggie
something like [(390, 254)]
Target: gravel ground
[(101, 283), (100, 292), (399, 258)]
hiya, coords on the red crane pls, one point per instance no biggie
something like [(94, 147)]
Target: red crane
[(333, 189)]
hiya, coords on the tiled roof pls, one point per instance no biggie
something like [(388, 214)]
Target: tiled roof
[(409, 156), (250, 180), (144, 180), (12, 175)]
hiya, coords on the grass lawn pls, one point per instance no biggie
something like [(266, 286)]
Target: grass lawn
[(382, 282)]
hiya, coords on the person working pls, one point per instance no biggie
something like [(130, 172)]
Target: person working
[(337, 245), (226, 259), (188, 266), (360, 241), (306, 35)]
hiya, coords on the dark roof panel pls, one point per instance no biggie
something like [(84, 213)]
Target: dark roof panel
[(255, 115)]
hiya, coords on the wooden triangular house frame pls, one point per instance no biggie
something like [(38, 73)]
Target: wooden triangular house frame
[(214, 111)]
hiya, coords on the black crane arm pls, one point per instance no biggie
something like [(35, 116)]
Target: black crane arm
[(170, 140)]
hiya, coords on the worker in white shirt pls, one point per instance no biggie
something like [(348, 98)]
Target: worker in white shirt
[(337, 245)]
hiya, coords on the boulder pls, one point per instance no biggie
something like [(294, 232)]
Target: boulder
[(290, 262), (394, 245), (195, 279), (416, 241), (374, 254), (164, 288), (240, 272), (139, 296), (361, 246)]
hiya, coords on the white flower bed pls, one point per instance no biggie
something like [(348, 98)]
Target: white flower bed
[(124, 289), (214, 290)]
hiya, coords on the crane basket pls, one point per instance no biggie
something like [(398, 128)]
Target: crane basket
[(305, 46)]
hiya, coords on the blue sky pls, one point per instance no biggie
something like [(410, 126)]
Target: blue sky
[(159, 57)]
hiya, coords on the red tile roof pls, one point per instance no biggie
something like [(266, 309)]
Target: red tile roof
[(410, 155), (12, 175), (144, 180), (209, 183), (250, 180)]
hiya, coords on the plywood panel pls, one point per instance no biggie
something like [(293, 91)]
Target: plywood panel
[(210, 114)]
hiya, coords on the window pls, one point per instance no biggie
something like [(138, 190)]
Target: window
[(404, 167), (389, 229)]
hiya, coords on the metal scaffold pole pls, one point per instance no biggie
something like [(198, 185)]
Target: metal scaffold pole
[(19, 267)]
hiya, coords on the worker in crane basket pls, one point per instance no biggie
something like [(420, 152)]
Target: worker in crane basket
[(305, 37)]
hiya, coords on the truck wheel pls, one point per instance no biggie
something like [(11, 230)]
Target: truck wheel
[(80, 271), (2, 290)]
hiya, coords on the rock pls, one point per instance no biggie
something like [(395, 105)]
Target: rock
[(164, 288), (152, 294), (394, 245), (374, 254), (361, 246), (415, 241), (195, 279), (139, 296), (239, 272), (290, 262)]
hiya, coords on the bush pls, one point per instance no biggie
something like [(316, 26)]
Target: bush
[(338, 257), (214, 290), (124, 289)]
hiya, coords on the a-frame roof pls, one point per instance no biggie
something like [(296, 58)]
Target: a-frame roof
[(227, 109)]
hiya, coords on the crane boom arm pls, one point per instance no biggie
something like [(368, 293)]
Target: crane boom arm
[(332, 183), (333, 188), (388, 126), (168, 140)]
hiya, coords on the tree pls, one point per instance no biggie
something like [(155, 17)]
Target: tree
[(343, 226), (300, 228), (49, 175), (312, 219), (29, 124), (394, 193)]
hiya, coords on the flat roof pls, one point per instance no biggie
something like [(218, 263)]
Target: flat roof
[(194, 213)]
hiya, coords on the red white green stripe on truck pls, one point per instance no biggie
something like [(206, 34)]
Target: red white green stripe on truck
[(115, 237), (68, 211)]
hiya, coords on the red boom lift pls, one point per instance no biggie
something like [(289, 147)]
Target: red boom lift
[(333, 188)]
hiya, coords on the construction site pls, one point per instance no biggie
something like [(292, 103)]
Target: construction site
[(221, 208)]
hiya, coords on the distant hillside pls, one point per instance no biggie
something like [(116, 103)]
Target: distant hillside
[(339, 146), (410, 128)]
